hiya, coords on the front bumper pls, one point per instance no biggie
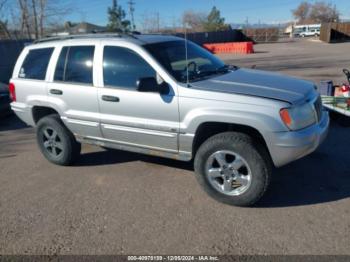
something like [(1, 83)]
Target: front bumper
[(286, 147)]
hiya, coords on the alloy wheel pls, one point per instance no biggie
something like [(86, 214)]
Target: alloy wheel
[(228, 172)]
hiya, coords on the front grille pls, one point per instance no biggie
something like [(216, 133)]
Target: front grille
[(318, 108)]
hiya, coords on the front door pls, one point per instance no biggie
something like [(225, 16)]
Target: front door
[(132, 118)]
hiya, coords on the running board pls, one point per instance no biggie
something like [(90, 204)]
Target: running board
[(159, 152)]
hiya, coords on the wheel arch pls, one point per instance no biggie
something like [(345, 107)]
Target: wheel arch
[(208, 129), (38, 112)]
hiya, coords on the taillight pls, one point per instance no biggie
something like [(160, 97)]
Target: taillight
[(12, 90)]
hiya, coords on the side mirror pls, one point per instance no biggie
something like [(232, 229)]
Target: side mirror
[(149, 84)]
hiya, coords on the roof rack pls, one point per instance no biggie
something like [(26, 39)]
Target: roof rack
[(84, 36)]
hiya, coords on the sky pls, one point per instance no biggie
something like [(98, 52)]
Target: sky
[(170, 11)]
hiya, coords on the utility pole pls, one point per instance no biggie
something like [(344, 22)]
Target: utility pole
[(131, 4), (158, 22)]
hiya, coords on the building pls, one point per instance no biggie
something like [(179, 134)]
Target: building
[(335, 32), (81, 28)]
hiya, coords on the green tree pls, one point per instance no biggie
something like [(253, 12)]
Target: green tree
[(116, 19), (215, 22)]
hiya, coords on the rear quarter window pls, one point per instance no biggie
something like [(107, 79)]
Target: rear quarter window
[(35, 64)]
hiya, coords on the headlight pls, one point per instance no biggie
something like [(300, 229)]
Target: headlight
[(298, 117)]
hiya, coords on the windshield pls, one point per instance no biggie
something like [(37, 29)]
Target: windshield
[(200, 63)]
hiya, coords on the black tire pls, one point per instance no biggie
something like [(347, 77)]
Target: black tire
[(255, 156), (69, 149)]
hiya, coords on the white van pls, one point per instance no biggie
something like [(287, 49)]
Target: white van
[(307, 30)]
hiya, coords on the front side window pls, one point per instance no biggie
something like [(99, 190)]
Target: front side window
[(75, 64), (123, 67), (35, 64), (195, 65)]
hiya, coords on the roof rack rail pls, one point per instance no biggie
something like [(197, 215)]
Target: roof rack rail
[(83, 36)]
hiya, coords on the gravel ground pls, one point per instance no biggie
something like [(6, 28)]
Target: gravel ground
[(123, 203), (309, 59)]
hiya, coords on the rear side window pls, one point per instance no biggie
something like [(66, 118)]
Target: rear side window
[(75, 64), (35, 64)]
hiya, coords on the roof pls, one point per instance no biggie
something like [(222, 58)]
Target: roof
[(150, 39), (135, 38)]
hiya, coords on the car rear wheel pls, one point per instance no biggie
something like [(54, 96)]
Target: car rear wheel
[(232, 169), (56, 142)]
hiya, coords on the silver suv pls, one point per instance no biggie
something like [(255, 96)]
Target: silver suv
[(164, 96)]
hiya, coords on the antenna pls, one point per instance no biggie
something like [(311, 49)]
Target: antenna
[(186, 52), (131, 4)]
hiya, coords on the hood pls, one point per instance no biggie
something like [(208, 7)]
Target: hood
[(260, 84)]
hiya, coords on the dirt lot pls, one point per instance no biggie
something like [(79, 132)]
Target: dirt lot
[(308, 59), (123, 203)]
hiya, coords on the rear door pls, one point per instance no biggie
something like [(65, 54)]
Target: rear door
[(73, 91)]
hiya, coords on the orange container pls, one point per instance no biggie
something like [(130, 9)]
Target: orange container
[(232, 47)]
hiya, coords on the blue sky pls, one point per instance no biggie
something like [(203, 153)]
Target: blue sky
[(170, 11)]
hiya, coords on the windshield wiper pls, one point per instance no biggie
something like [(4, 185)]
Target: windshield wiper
[(226, 68), (220, 70), (223, 69), (200, 75)]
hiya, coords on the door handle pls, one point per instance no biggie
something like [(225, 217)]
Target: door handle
[(56, 92), (110, 98)]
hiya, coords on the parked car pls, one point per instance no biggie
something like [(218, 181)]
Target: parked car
[(164, 96), (4, 100), (313, 32)]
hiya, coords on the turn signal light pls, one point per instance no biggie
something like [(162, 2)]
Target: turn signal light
[(285, 116)]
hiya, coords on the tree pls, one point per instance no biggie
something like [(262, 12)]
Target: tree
[(194, 20), (215, 22), (35, 15), (25, 17), (323, 12), (116, 19), (3, 23), (301, 13), (319, 12)]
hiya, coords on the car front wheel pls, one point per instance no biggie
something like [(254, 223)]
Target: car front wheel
[(232, 169)]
